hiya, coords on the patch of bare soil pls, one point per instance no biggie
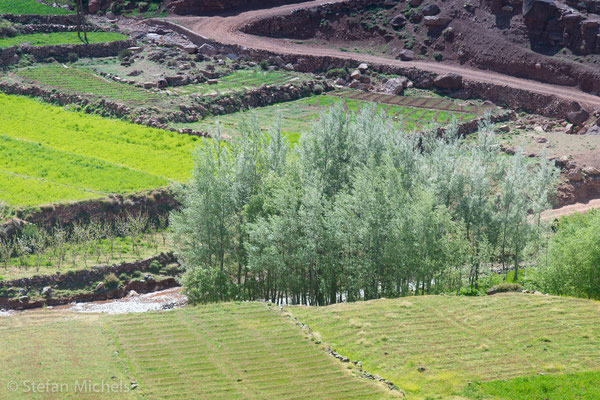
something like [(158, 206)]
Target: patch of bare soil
[(133, 303)]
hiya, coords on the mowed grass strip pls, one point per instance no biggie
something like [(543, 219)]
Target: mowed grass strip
[(29, 7), (48, 347), (231, 351), (56, 38), (85, 151), (459, 339), (74, 80)]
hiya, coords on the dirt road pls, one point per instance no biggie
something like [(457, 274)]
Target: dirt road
[(226, 30)]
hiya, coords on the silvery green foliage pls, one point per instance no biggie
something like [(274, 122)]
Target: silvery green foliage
[(357, 210)]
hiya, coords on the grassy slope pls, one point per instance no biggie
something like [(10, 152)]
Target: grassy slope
[(71, 155), (225, 351), (459, 339), (29, 7), (50, 39)]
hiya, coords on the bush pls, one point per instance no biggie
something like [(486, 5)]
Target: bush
[(7, 29), (469, 291), (264, 65), (318, 89), (154, 267), (123, 54), (337, 73), (574, 263), (111, 281), (507, 287), (73, 57), (438, 56)]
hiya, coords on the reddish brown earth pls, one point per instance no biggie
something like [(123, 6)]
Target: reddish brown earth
[(227, 30)]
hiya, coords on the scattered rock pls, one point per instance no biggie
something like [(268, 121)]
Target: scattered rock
[(540, 139), (363, 68), (207, 49), (46, 291), (191, 49), (398, 22), (448, 81), (355, 75), (575, 175), (395, 86), (415, 3), (578, 117), (592, 171), (24, 299), (406, 55), (430, 9), (100, 286), (433, 22), (421, 368)]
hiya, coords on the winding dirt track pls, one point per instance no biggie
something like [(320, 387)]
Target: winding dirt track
[(227, 30)]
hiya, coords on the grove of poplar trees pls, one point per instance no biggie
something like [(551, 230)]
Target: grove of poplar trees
[(356, 210)]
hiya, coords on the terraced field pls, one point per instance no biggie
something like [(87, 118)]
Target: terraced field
[(221, 351), (242, 80), (29, 7), (61, 155), (298, 116), (459, 340), (79, 81), (55, 38)]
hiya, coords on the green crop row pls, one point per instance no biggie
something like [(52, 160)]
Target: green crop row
[(242, 80), (298, 116), (60, 155), (74, 80), (56, 38), (29, 7)]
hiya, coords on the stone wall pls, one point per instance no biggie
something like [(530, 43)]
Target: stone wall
[(35, 19), (202, 7), (154, 203)]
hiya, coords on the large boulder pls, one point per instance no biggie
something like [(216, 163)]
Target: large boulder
[(435, 22), (395, 86), (398, 22), (540, 10), (430, 9), (448, 82), (406, 55)]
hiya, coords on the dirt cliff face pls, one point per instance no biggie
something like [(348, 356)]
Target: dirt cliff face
[(202, 7)]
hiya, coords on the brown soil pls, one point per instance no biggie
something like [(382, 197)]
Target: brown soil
[(227, 30)]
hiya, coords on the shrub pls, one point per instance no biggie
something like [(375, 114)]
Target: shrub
[(154, 267), (264, 65), (337, 73), (507, 287), (111, 281), (438, 56), (73, 57), (469, 291), (318, 89), (7, 29), (123, 54)]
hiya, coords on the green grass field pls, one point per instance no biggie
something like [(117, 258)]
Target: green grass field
[(223, 351), (61, 155), (299, 115), (29, 7), (510, 347), (51, 39), (242, 80), (500, 343), (75, 80)]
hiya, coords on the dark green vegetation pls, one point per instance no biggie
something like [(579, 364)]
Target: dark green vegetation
[(358, 210), (225, 351), (573, 258), (56, 38), (61, 155), (29, 7), (583, 385), (433, 346)]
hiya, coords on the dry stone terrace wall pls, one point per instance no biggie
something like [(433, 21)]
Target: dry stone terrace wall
[(111, 49), (154, 203), (41, 19), (203, 7), (88, 276)]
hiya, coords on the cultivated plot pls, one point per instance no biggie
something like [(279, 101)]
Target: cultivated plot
[(56, 38), (29, 7), (61, 155), (298, 116)]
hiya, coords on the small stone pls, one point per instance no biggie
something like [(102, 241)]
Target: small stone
[(541, 139), (575, 175), (355, 75), (593, 171), (24, 299), (421, 368), (100, 286), (46, 291), (363, 68), (503, 128), (406, 55), (507, 9)]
